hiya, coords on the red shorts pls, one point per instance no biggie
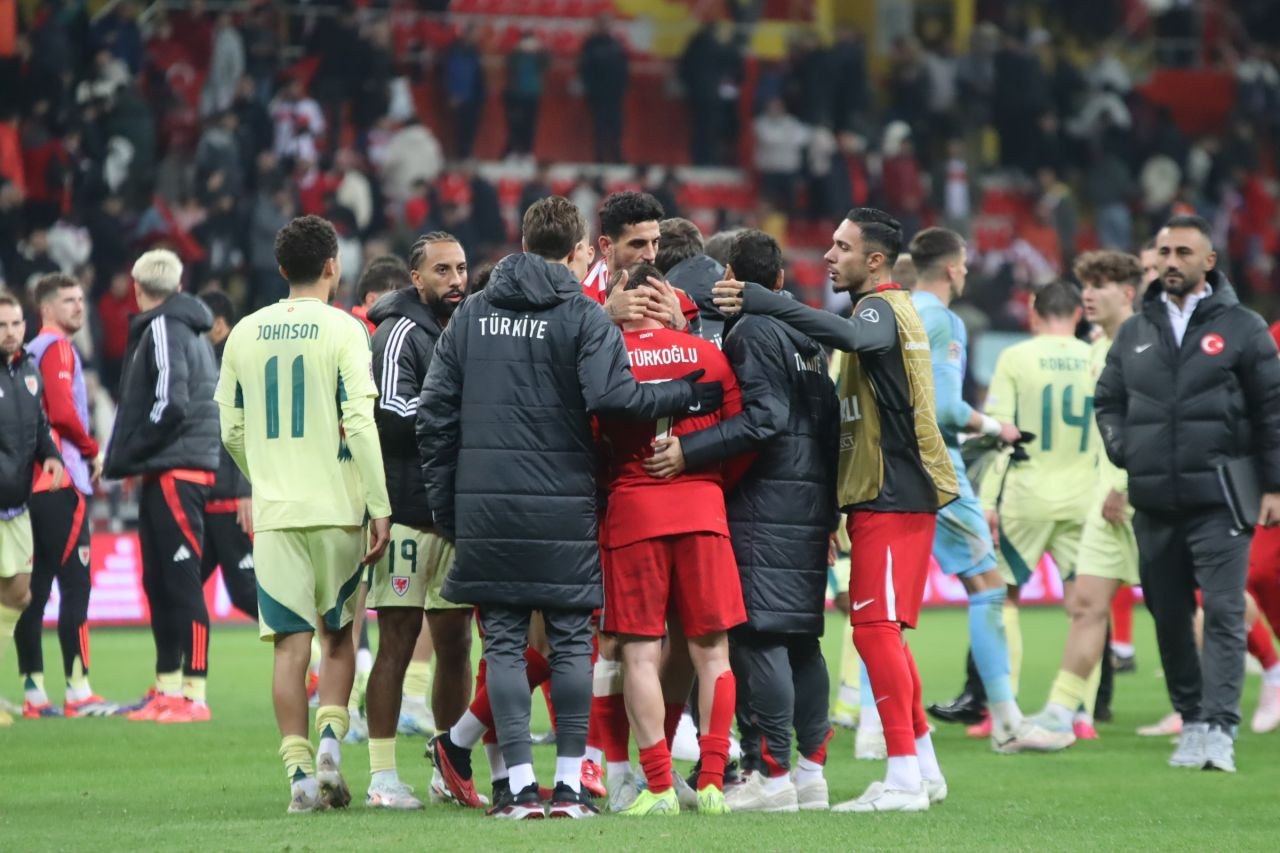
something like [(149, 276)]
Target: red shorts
[(692, 574), (888, 565)]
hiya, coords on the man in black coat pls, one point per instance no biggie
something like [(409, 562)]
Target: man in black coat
[(1191, 383), (681, 259), (25, 440), (781, 516), (166, 432), (407, 580), (602, 67), (504, 426)]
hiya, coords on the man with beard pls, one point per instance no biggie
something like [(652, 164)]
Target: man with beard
[(1191, 382), (407, 580)]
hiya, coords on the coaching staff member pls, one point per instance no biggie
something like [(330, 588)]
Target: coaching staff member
[(1191, 382), (504, 426), (166, 431)]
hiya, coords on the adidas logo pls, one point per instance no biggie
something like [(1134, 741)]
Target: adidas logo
[(183, 553), (247, 563)]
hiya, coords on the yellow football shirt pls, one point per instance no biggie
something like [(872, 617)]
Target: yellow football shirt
[(1045, 386), (296, 399)]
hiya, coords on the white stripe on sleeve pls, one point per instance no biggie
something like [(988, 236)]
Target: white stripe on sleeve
[(160, 337)]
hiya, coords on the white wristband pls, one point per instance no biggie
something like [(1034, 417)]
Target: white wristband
[(990, 426)]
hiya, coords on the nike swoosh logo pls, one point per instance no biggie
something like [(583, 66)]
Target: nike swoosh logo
[(1141, 348), (858, 605)]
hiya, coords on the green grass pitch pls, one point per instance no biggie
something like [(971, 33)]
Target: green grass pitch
[(108, 785)]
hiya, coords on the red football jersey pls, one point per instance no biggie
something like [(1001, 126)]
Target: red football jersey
[(640, 506)]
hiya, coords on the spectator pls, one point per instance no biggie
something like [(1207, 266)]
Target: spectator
[(526, 67), (227, 68), (700, 72), (272, 210), (848, 64), (902, 180), (219, 151), (262, 53), (1057, 209), (808, 85), (539, 187), (298, 121), (1109, 186), (602, 68), (353, 191), (253, 121), (115, 307), (373, 85), (781, 139), (464, 86), (117, 31), (413, 153)]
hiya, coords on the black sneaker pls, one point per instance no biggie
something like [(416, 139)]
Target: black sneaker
[(502, 796), (525, 805), (965, 708), (566, 802), (732, 775), (1124, 664)]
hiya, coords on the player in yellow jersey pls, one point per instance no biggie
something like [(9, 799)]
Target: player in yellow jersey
[(1108, 554), (296, 398), (1043, 386)]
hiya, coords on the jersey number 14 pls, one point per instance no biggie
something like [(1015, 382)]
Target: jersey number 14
[(1069, 417)]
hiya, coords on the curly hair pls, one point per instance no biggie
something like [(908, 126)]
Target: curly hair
[(628, 208), (303, 246), (1107, 265)]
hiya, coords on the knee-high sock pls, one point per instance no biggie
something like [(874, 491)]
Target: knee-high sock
[(714, 745), (1091, 689), (1122, 617), (880, 646), (1013, 637), (609, 729), (1260, 645), (989, 644)]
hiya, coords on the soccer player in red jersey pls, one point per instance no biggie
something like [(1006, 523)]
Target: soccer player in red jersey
[(666, 549)]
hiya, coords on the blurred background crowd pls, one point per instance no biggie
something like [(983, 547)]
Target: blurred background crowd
[(205, 126)]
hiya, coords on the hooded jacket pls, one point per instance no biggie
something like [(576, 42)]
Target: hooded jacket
[(783, 509), (1170, 415), (167, 418), (229, 483), (25, 438), (402, 348), (696, 276), (505, 432)]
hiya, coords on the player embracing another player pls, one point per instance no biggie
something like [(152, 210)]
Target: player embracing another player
[(893, 477)]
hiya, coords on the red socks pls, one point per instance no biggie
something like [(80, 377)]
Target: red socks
[(1264, 573), (1122, 616), (612, 727), (671, 722), (919, 722), (656, 762), (1260, 645), (715, 743), (880, 646)]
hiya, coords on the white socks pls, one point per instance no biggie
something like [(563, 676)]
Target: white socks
[(927, 759), (497, 764), (904, 773), (807, 771), (1006, 716), (569, 772), (467, 732)]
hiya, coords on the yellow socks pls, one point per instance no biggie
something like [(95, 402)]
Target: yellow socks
[(1013, 636), (332, 721), (299, 757), (382, 754), (169, 683), (33, 687), (1091, 689), (79, 680), (417, 679), (8, 621), (193, 688), (1069, 690)]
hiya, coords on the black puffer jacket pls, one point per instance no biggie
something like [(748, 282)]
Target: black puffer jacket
[(1170, 415), (782, 512), (230, 482), (696, 276), (402, 348), (167, 418), (504, 426), (24, 430)]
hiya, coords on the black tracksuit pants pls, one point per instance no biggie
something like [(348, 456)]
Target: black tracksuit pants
[(171, 537), (788, 688), (227, 545), (60, 536)]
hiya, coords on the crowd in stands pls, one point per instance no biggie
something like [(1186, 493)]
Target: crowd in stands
[(199, 130)]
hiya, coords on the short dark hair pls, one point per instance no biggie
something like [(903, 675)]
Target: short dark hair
[(384, 273), (718, 245), (418, 252), (880, 230), (639, 274), (680, 240), (219, 305), (7, 297), (1108, 265), (47, 286), (552, 227), (1191, 220), (755, 256), (303, 246), (481, 278), (627, 208), (930, 247), (1058, 299)]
